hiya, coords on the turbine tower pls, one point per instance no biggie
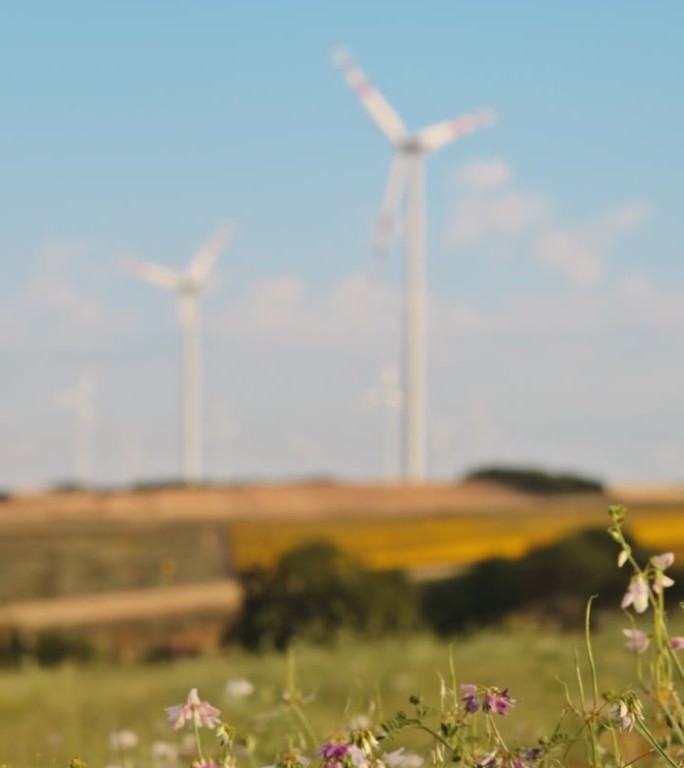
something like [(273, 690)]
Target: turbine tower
[(387, 395), (80, 400), (407, 179), (188, 286)]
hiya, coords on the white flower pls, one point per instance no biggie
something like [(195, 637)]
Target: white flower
[(120, 740), (636, 594), (661, 562), (164, 753), (239, 688)]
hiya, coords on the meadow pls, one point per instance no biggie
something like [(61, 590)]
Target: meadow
[(48, 716)]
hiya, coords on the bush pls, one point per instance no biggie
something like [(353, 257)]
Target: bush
[(317, 592), (535, 480), (551, 582)]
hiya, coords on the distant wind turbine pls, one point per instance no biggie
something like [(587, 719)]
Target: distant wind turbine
[(407, 177), (81, 400), (388, 396), (188, 286)]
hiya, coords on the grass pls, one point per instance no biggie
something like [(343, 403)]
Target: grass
[(50, 716)]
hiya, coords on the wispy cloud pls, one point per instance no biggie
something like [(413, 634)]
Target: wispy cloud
[(580, 253), (489, 206), (52, 289), (282, 310), (485, 207)]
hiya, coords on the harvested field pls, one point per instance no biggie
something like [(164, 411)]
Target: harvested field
[(69, 544)]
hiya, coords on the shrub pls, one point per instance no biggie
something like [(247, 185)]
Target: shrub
[(535, 480), (550, 582), (316, 592)]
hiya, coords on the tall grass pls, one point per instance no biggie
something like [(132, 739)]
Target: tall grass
[(49, 716)]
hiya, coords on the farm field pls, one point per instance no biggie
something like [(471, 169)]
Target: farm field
[(49, 716), (59, 545)]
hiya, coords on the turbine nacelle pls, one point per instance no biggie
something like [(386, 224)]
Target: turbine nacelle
[(407, 146), (192, 280)]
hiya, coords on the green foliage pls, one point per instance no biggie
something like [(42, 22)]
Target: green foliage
[(536, 480), (48, 648), (316, 592), (551, 582)]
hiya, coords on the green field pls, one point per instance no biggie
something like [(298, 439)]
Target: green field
[(49, 716)]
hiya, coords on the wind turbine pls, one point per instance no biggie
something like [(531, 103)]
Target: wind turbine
[(80, 400), (407, 178), (188, 286), (387, 395)]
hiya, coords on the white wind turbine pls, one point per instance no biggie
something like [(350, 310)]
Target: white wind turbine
[(407, 177), (80, 399), (188, 286), (388, 396)]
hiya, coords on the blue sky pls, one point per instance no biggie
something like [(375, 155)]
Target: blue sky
[(555, 267)]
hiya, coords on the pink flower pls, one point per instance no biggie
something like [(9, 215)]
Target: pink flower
[(638, 640), (200, 713), (471, 702), (677, 643), (661, 562), (498, 700), (636, 594), (336, 755), (661, 582)]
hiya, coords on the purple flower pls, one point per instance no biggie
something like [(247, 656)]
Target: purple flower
[(638, 640), (471, 702), (200, 713), (636, 594), (497, 700), (677, 643), (337, 755)]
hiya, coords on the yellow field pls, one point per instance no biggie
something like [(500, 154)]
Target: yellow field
[(432, 541)]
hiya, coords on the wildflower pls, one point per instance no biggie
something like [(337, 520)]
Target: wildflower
[(528, 757), (677, 643), (627, 710), (661, 582), (337, 755), (638, 640), (400, 759), (636, 594), (291, 760), (225, 735), (498, 700), (471, 702), (239, 688), (364, 740), (488, 760), (623, 557), (164, 753), (664, 561), (120, 740), (200, 713)]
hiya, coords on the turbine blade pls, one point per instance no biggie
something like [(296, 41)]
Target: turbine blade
[(386, 228), (437, 136), (205, 259), (375, 103), (154, 274)]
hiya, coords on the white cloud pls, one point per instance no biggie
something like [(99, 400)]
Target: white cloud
[(280, 310), (51, 289), (510, 214), (484, 174), (580, 253), (488, 207)]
